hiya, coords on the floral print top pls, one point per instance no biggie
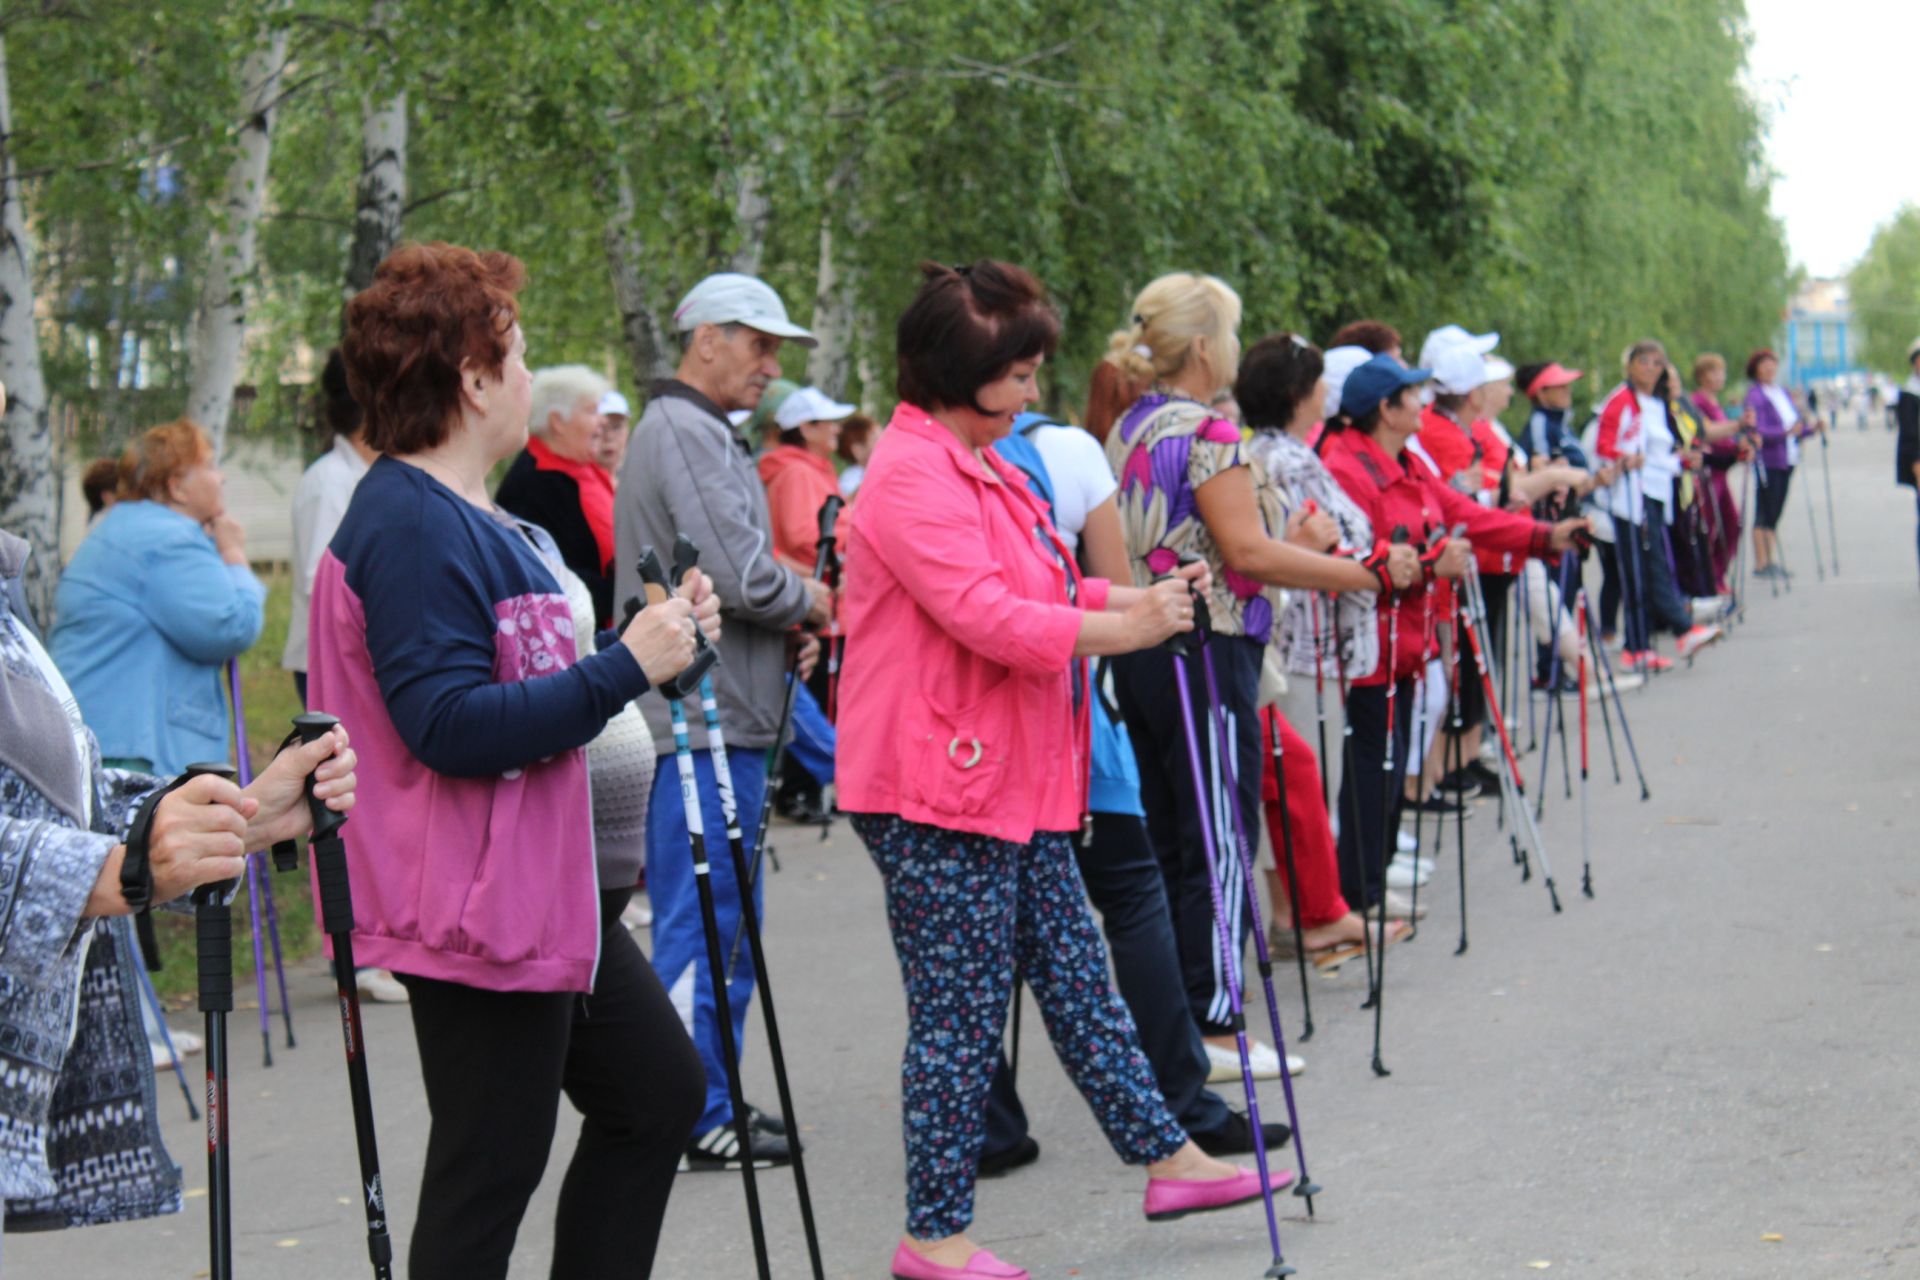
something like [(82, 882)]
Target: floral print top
[(1162, 450)]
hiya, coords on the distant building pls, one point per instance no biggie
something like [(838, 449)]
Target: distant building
[(1817, 342)]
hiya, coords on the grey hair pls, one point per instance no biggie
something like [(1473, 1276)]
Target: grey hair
[(558, 389)]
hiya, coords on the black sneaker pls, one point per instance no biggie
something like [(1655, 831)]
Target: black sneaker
[(1465, 783), (1489, 780), (718, 1150), (1235, 1137), (1024, 1152), (1435, 803), (760, 1122)]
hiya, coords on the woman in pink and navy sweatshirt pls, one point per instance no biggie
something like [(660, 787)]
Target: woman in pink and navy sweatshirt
[(439, 625)]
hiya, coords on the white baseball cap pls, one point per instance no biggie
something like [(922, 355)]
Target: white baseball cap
[(809, 404), (1448, 336), (614, 402), (1459, 369), (731, 298), (1336, 364), (1497, 370)]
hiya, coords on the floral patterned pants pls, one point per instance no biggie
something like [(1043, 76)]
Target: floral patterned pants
[(968, 913)]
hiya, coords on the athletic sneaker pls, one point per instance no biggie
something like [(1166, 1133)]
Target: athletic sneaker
[(1710, 608), (1405, 843), (186, 1042), (637, 916), (1696, 640), (1646, 661), (1401, 875), (1423, 865), (718, 1150), (1224, 1064), (1436, 803)]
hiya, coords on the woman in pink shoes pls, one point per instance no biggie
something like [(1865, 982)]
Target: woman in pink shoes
[(963, 759)]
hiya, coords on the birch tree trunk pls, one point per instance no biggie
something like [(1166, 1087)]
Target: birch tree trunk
[(830, 364), (29, 476), (635, 295), (381, 196), (752, 212), (220, 326)]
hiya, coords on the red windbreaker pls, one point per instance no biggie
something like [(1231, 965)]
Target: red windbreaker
[(1399, 492)]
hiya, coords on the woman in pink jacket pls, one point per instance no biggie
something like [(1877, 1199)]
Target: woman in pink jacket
[(963, 758)]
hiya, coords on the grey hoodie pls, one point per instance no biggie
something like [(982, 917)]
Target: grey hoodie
[(686, 472)]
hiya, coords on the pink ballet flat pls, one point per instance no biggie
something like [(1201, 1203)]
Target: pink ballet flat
[(908, 1265), (1169, 1198)]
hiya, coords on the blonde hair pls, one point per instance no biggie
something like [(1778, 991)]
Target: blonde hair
[(1706, 364), (1169, 315)]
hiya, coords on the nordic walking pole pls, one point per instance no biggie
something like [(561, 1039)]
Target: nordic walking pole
[(1388, 837), (213, 944), (1183, 646), (1350, 786), (1455, 750), (1600, 685), (653, 577), (1524, 815), (328, 853), (685, 559), (1223, 743), (1813, 532), (1320, 692), (1279, 752), (1586, 830), (829, 514), (1826, 476), (259, 885), (1553, 701), (1605, 671)]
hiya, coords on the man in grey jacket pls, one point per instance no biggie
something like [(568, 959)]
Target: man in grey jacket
[(686, 472)]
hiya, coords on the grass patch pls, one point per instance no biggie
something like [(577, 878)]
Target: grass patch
[(270, 703)]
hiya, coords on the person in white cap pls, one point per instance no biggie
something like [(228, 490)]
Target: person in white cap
[(686, 471), (616, 420), (557, 482), (799, 472)]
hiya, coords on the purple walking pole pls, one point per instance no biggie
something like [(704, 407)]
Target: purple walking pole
[(1305, 1188), (1224, 928), (258, 886)]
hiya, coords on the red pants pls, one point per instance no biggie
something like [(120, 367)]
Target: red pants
[(1318, 898)]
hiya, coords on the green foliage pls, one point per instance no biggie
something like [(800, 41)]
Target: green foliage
[(1575, 173), (1885, 289)]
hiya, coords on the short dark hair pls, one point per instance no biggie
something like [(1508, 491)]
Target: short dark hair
[(1276, 374), (1374, 335), (430, 308), (854, 431), (966, 327), (100, 481), (340, 413), (1753, 362)]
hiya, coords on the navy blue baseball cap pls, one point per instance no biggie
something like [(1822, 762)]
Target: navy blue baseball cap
[(1374, 381)]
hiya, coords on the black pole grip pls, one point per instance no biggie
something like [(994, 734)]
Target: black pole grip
[(679, 687), (830, 516), (213, 924), (312, 726), (219, 891), (1191, 642)]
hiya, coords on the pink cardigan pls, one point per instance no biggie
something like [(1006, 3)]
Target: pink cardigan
[(957, 698)]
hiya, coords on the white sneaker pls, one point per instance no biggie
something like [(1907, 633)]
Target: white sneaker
[(1406, 843), (1696, 640), (1423, 865), (1401, 875), (1710, 608), (1223, 1064), (380, 986), (637, 916), (186, 1043)]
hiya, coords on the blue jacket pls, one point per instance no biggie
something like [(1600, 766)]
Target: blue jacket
[(146, 615)]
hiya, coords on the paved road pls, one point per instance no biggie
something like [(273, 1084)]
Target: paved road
[(1716, 1051)]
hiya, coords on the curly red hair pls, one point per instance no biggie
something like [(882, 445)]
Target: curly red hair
[(430, 309), (150, 463)]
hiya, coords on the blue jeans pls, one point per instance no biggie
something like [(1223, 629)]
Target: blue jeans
[(679, 937)]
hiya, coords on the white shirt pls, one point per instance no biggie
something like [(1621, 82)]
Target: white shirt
[(1663, 456), (1789, 418), (1081, 478), (319, 503)]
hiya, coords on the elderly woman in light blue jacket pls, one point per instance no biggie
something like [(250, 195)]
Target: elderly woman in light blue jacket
[(155, 601)]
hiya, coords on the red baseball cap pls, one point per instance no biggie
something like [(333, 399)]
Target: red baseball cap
[(1554, 375)]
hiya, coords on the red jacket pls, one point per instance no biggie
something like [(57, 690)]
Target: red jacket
[(798, 482), (1400, 493)]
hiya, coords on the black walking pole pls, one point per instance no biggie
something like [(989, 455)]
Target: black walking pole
[(1833, 530), (685, 558), (1393, 767), (213, 943), (1455, 751), (1510, 775), (1320, 689), (1605, 673), (1553, 703), (329, 854), (1813, 532), (654, 578), (1586, 831), (829, 514)]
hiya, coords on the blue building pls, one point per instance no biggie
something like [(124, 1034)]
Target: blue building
[(1817, 342)]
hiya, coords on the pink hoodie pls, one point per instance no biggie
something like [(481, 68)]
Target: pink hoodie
[(958, 705)]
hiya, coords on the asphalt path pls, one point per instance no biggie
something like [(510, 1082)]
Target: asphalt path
[(1705, 1071)]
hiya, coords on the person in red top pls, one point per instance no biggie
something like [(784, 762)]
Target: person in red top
[(799, 474), (1365, 448)]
